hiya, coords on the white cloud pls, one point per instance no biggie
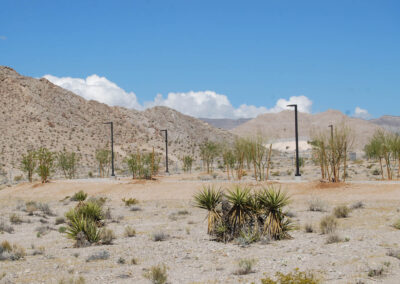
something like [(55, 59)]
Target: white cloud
[(97, 88), (207, 104), (361, 113)]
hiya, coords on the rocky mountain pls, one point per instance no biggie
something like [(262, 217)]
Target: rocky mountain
[(389, 122), (225, 123), (35, 112), (280, 126)]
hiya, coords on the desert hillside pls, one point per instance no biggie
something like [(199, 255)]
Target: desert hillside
[(37, 113), (389, 122), (281, 125)]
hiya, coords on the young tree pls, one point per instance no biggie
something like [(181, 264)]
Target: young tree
[(103, 157), (229, 160), (45, 160), (209, 151), (133, 164), (68, 162), (187, 163), (29, 163)]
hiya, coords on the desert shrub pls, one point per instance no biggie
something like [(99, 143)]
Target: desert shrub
[(308, 228), (376, 172), (15, 219), (394, 253), (45, 160), (316, 205), (130, 201), (28, 164), (6, 228), (187, 163), (103, 157), (208, 199), (396, 224), (245, 266), (11, 252), (143, 165), (39, 251), (79, 196), (159, 236), (62, 230), (101, 255), (333, 238), (42, 230), (100, 201), (107, 236), (18, 178), (248, 237), (183, 212), (341, 211), (134, 261), (296, 277), (31, 207), (68, 162), (157, 274), (59, 220), (129, 232), (357, 205), (328, 225), (121, 260), (45, 208), (376, 272)]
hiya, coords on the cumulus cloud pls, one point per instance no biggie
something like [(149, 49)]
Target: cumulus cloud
[(97, 88), (361, 113), (207, 104)]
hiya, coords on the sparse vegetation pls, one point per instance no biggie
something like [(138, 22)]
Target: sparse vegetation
[(45, 161), (308, 228), (68, 163), (11, 252), (157, 274), (159, 236), (341, 211), (143, 165), (29, 163), (316, 205), (15, 219), (6, 228), (187, 164), (107, 236), (129, 232), (333, 238), (79, 196), (130, 201), (357, 205), (245, 266), (328, 225), (101, 255), (296, 277)]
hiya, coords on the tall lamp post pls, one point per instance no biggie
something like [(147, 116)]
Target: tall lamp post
[(166, 149), (112, 147), (297, 140)]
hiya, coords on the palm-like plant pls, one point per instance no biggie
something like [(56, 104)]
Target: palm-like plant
[(241, 202), (272, 201), (209, 198)]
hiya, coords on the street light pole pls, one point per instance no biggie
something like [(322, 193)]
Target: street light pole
[(297, 140), (112, 147), (166, 149)]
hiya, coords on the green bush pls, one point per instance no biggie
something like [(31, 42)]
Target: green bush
[(79, 196)]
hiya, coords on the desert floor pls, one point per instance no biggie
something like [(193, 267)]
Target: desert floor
[(188, 253)]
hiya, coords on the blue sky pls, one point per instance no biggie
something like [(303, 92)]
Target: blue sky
[(339, 54)]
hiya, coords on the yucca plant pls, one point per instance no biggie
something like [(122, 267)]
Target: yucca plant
[(273, 201), (209, 198), (79, 224), (242, 206), (79, 196)]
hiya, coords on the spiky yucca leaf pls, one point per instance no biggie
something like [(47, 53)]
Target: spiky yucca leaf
[(80, 224), (241, 202), (273, 201), (209, 198)]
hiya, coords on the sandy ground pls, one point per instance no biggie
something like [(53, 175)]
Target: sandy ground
[(189, 253)]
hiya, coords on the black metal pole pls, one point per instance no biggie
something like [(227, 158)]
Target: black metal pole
[(112, 147), (297, 140), (166, 150)]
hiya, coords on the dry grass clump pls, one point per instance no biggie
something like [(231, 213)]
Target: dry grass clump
[(11, 252), (341, 211), (157, 274), (296, 277), (357, 205), (245, 266), (15, 219), (45, 208), (333, 238), (101, 255), (129, 232), (396, 224), (394, 253), (6, 228), (328, 225), (107, 236), (159, 236), (59, 220), (308, 228), (130, 201), (316, 205)]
